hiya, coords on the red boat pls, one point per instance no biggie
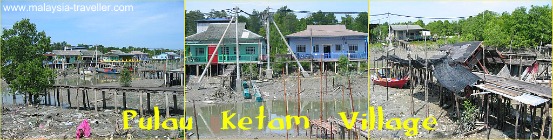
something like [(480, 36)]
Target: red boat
[(392, 82)]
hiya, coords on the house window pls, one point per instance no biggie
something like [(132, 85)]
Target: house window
[(353, 48), (226, 50), (250, 50), (316, 48), (338, 47), (300, 48), (200, 51)]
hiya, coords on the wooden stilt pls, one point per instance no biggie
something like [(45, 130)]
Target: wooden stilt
[(69, 97), (141, 105), (77, 99), (167, 104), (49, 99), (148, 101), (516, 121), (544, 120), (58, 96), (87, 100), (95, 101), (124, 100), (103, 99), (523, 120), (115, 100), (533, 113), (457, 106), (175, 101)]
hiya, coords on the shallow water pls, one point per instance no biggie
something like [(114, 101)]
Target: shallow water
[(209, 118)]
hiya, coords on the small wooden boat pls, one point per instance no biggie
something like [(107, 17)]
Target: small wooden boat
[(87, 71), (378, 79), (391, 82), (107, 70)]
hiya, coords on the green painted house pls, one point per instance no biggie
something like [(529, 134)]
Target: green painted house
[(200, 46)]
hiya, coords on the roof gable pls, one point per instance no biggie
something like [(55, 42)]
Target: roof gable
[(406, 27), (326, 31), (215, 31)]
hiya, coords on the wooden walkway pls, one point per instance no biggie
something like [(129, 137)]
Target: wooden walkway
[(331, 127), (85, 104)]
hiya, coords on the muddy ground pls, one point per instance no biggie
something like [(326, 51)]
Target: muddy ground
[(204, 93), (398, 105), (51, 121)]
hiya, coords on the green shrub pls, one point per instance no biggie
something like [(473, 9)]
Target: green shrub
[(126, 78)]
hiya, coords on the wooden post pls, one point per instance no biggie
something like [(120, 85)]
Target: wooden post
[(87, 100), (148, 101), (544, 120), (49, 99), (533, 113), (95, 101), (457, 106), (523, 119), (487, 102), (77, 98), (69, 97), (58, 96), (115, 100), (342, 132), (124, 100), (104, 99), (167, 105), (175, 101), (516, 120), (141, 105)]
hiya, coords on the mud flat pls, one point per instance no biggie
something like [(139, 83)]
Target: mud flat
[(50, 121), (398, 106), (204, 93)]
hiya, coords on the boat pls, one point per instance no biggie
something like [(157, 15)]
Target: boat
[(107, 70), (391, 82), (88, 71), (380, 79)]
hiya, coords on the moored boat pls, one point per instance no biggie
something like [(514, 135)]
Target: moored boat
[(391, 82), (107, 70)]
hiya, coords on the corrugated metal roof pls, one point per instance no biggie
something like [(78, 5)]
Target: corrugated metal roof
[(137, 52), (326, 31), (215, 31), (524, 98), (453, 75), (406, 27), (67, 52), (460, 52), (91, 52)]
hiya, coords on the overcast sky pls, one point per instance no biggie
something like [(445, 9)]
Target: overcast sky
[(149, 24), (444, 8)]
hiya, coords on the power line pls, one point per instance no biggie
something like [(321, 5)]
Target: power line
[(419, 17)]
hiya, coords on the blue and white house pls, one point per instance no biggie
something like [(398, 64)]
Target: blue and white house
[(329, 42), (166, 55)]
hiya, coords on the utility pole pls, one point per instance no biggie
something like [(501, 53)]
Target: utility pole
[(238, 80), (379, 31), (269, 71), (426, 79)]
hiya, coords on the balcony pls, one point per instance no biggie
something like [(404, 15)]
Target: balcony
[(330, 56)]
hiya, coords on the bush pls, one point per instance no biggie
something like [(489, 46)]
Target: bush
[(343, 65), (126, 78), (468, 117)]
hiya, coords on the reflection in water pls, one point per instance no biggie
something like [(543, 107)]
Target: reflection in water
[(210, 117)]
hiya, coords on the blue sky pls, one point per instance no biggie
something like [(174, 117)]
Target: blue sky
[(443, 8), (149, 24), (298, 5)]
